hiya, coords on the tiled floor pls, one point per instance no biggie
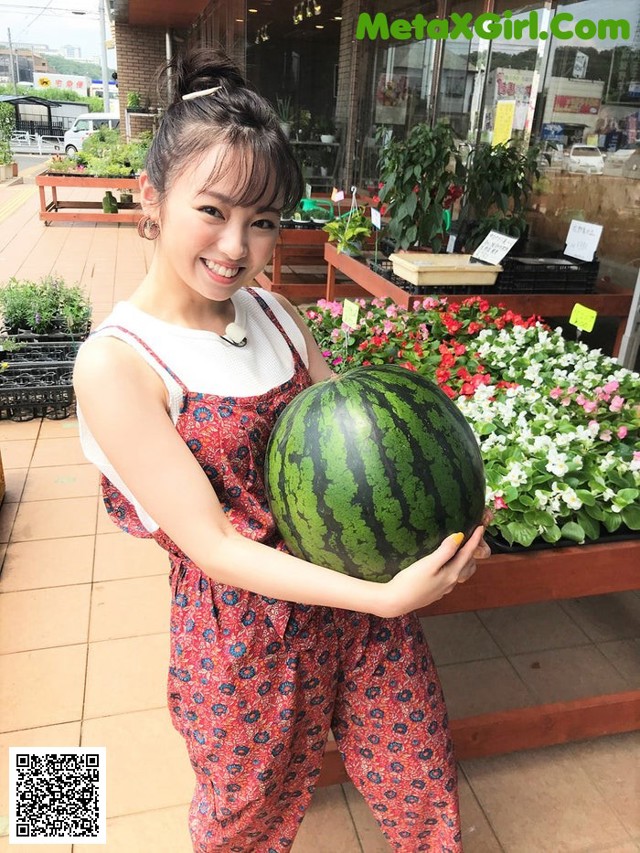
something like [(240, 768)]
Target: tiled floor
[(83, 644)]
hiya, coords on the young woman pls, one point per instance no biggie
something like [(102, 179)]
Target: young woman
[(177, 393)]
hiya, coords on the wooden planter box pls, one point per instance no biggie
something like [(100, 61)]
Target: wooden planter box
[(57, 210), (511, 579)]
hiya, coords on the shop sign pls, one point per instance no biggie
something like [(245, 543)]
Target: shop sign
[(576, 104)]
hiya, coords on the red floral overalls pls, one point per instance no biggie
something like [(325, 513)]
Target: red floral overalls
[(256, 683)]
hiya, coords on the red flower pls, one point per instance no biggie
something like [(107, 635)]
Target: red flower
[(467, 389), (380, 185), (408, 365), (442, 375), (375, 199), (383, 209), (447, 360), (463, 373), (448, 390), (459, 349), (499, 503), (473, 327)]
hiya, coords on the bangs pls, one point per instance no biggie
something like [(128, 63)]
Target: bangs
[(265, 172)]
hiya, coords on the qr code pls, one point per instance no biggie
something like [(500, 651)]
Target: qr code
[(57, 795)]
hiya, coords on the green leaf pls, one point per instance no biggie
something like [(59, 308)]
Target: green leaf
[(590, 526), (626, 497), (595, 511), (552, 534), (573, 531), (522, 533), (631, 517), (538, 517), (612, 521), (587, 498), (411, 203), (510, 494)]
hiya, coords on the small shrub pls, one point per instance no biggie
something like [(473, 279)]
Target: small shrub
[(44, 307)]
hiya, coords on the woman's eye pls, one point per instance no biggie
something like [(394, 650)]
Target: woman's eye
[(267, 224), (211, 211)]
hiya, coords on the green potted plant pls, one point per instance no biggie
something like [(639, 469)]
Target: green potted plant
[(48, 307), (498, 185), (284, 111), (326, 130), (420, 177), (349, 231), (134, 102), (8, 168)]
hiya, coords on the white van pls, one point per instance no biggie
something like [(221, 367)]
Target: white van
[(84, 125)]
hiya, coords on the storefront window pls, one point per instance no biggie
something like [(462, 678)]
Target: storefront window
[(592, 89)]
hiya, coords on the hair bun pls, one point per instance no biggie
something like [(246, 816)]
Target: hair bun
[(202, 68)]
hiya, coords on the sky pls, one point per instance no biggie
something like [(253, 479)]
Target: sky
[(52, 22)]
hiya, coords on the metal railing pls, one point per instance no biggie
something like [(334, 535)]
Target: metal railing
[(23, 142)]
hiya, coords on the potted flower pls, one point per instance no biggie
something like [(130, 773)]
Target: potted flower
[(556, 422), (134, 103), (349, 231), (420, 177), (43, 309)]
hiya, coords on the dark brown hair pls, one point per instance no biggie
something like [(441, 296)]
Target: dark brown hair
[(236, 117)]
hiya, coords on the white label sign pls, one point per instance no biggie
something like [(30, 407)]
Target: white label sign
[(582, 240), (376, 219), (494, 247)]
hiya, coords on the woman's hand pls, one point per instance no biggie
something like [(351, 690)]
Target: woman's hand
[(434, 576)]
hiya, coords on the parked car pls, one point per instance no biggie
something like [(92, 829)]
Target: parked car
[(585, 158), (620, 157), (84, 125)]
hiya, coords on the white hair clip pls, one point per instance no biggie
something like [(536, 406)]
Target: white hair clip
[(200, 93)]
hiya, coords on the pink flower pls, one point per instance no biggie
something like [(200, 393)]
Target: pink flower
[(429, 302), (499, 503), (416, 304), (392, 311), (611, 386), (590, 406), (337, 360), (593, 424), (566, 401), (388, 327), (424, 331), (605, 435), (616, 404), (555, 393), (572, 389), (622, 432), (581, 399), (636, 455)]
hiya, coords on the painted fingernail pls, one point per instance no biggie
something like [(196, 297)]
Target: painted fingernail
[(458, 538)]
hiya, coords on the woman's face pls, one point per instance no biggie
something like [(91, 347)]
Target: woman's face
[(207, 242)]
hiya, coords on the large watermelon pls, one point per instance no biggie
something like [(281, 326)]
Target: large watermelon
[(370, 470)]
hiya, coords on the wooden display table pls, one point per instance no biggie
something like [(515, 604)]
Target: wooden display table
[(608, 302), (524, 578), (84, 211)]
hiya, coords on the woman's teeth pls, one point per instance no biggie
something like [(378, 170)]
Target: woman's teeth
[(227, 272)]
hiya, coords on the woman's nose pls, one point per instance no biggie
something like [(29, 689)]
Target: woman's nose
[(233, 241)]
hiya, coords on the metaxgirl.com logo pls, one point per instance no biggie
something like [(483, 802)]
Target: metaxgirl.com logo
[(489, 26)]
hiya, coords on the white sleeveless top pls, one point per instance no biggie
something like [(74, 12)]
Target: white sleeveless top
[(205, 362)]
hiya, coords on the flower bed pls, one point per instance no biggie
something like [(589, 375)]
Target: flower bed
[(557, 423)]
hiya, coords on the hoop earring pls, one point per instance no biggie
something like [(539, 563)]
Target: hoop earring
[(148, 228)]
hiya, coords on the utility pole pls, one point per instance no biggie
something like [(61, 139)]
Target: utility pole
[(11, 64), (103, 56)]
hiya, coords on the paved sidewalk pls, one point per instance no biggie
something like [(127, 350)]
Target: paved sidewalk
[(84, 640)]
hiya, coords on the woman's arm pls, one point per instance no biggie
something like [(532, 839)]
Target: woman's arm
[(124, 403)]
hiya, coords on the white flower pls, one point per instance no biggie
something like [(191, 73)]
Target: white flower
[(542, 499), (557, 466), (571, 499)]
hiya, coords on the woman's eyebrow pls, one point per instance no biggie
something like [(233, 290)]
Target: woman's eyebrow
[(225, 199)]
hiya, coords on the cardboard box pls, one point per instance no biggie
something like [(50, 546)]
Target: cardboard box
[(423, 268)]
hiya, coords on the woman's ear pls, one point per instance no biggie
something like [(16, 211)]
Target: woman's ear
[(149, 200)]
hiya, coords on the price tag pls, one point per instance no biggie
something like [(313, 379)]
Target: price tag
[(583, 318), (336, 194), (307, 190), (582, 240), (452, 243), (350, 313), (494, 247), (376, 219)]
